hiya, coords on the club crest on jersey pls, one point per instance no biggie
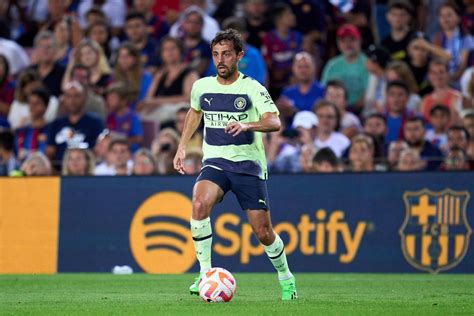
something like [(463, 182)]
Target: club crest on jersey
[(240, 103), (435, 233)]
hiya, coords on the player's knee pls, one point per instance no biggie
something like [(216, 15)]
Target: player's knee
[(264, 234), (201, 209)]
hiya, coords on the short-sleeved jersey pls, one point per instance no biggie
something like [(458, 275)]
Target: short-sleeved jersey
[(244, 101)]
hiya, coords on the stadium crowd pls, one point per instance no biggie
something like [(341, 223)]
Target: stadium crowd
[(102, 87)]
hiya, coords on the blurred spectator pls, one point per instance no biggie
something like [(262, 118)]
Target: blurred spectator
[(328, 121), (44, 60), (307, 153), (399, 70), (122, 164), (399, 16), (19, 115), (164, 148), (361, 154), (77, 130), (336, 93), (414, 132), (395, 149), (195, 143), (468, 123), (171, 86), (456, 159), (37, 164), (101, 147), (113, 9), (287, 148), (326, 161), (157, 27), (453, 40), (420, 52), (99, 32), (279, 47), (410, 160), (17, 57), (121, 118), (197, 52), (467, 84), (377, 59), (305, 92), (252, 63), (90, 54), (62, 34), (94, 102), (349, 66), (78, 162), (439, 117), (8, 161), (137, 34), (458, 136), (442, 93), (33, 137), (193, 161), (129, 69), (375, 125), (396, 113), (257, 20), (144, 164), (209, 26), (7, 87)]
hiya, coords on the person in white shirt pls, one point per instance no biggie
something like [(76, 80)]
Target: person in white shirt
[(209, 29), (328, 121), (17, 57)]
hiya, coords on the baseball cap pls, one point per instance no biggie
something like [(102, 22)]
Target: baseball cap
[(305, 119), (378, 55), (348, 30)]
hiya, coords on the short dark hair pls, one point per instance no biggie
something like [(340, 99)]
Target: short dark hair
[(42, 93), (135, 15), (379, 116), (325, 103), (415, 119), (460, 129), (120, 141), (401, 4), (278, 10), (230, 35), (176, 41), (441, 109), (398, 84), (235, 23), (326, 154), (337, 84), (7, 140)]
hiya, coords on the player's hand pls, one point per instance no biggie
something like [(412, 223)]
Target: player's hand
[(178, 161), (235, 128)]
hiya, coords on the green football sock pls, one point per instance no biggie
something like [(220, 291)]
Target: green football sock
[(276, 254), (201, 231)]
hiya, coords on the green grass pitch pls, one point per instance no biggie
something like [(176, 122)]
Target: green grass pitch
[(257, 294)]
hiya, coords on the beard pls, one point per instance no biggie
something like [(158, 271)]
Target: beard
[(227, 73)]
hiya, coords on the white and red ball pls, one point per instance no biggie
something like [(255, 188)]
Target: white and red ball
[(217, 285)]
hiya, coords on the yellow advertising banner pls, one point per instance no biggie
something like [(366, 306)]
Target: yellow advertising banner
[(29, 221)]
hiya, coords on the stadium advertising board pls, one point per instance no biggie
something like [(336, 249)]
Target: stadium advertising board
[(330, 223)]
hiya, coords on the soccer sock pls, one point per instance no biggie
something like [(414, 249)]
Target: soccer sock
[(202, 237), (276, 254)]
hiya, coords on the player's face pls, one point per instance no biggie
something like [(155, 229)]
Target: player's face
[(225, 59)]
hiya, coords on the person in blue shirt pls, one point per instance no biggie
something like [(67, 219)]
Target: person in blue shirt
[(305, 92)]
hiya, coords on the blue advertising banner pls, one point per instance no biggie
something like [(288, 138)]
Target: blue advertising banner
[(393, 222)]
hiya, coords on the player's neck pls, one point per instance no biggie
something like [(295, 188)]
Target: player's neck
[(230, 80)]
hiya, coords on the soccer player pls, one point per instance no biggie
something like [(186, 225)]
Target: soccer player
[(236, 110)]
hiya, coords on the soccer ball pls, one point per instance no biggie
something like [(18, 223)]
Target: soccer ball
[(217, 285)]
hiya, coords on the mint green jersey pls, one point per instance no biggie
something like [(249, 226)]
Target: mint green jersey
[(245, 100)]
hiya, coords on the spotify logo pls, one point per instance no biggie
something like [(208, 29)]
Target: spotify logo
[(160, 238)]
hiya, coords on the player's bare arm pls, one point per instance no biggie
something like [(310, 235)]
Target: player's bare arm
[(191, 123), (269, 122)]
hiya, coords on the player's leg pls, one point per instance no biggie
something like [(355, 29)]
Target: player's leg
[(252, 195), (275, 249), (209, 189)]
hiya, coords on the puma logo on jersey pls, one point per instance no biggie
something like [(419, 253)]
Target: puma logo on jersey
[(208, 101), (262, 201)]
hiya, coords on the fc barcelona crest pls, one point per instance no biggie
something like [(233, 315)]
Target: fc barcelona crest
[(435, 234)]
